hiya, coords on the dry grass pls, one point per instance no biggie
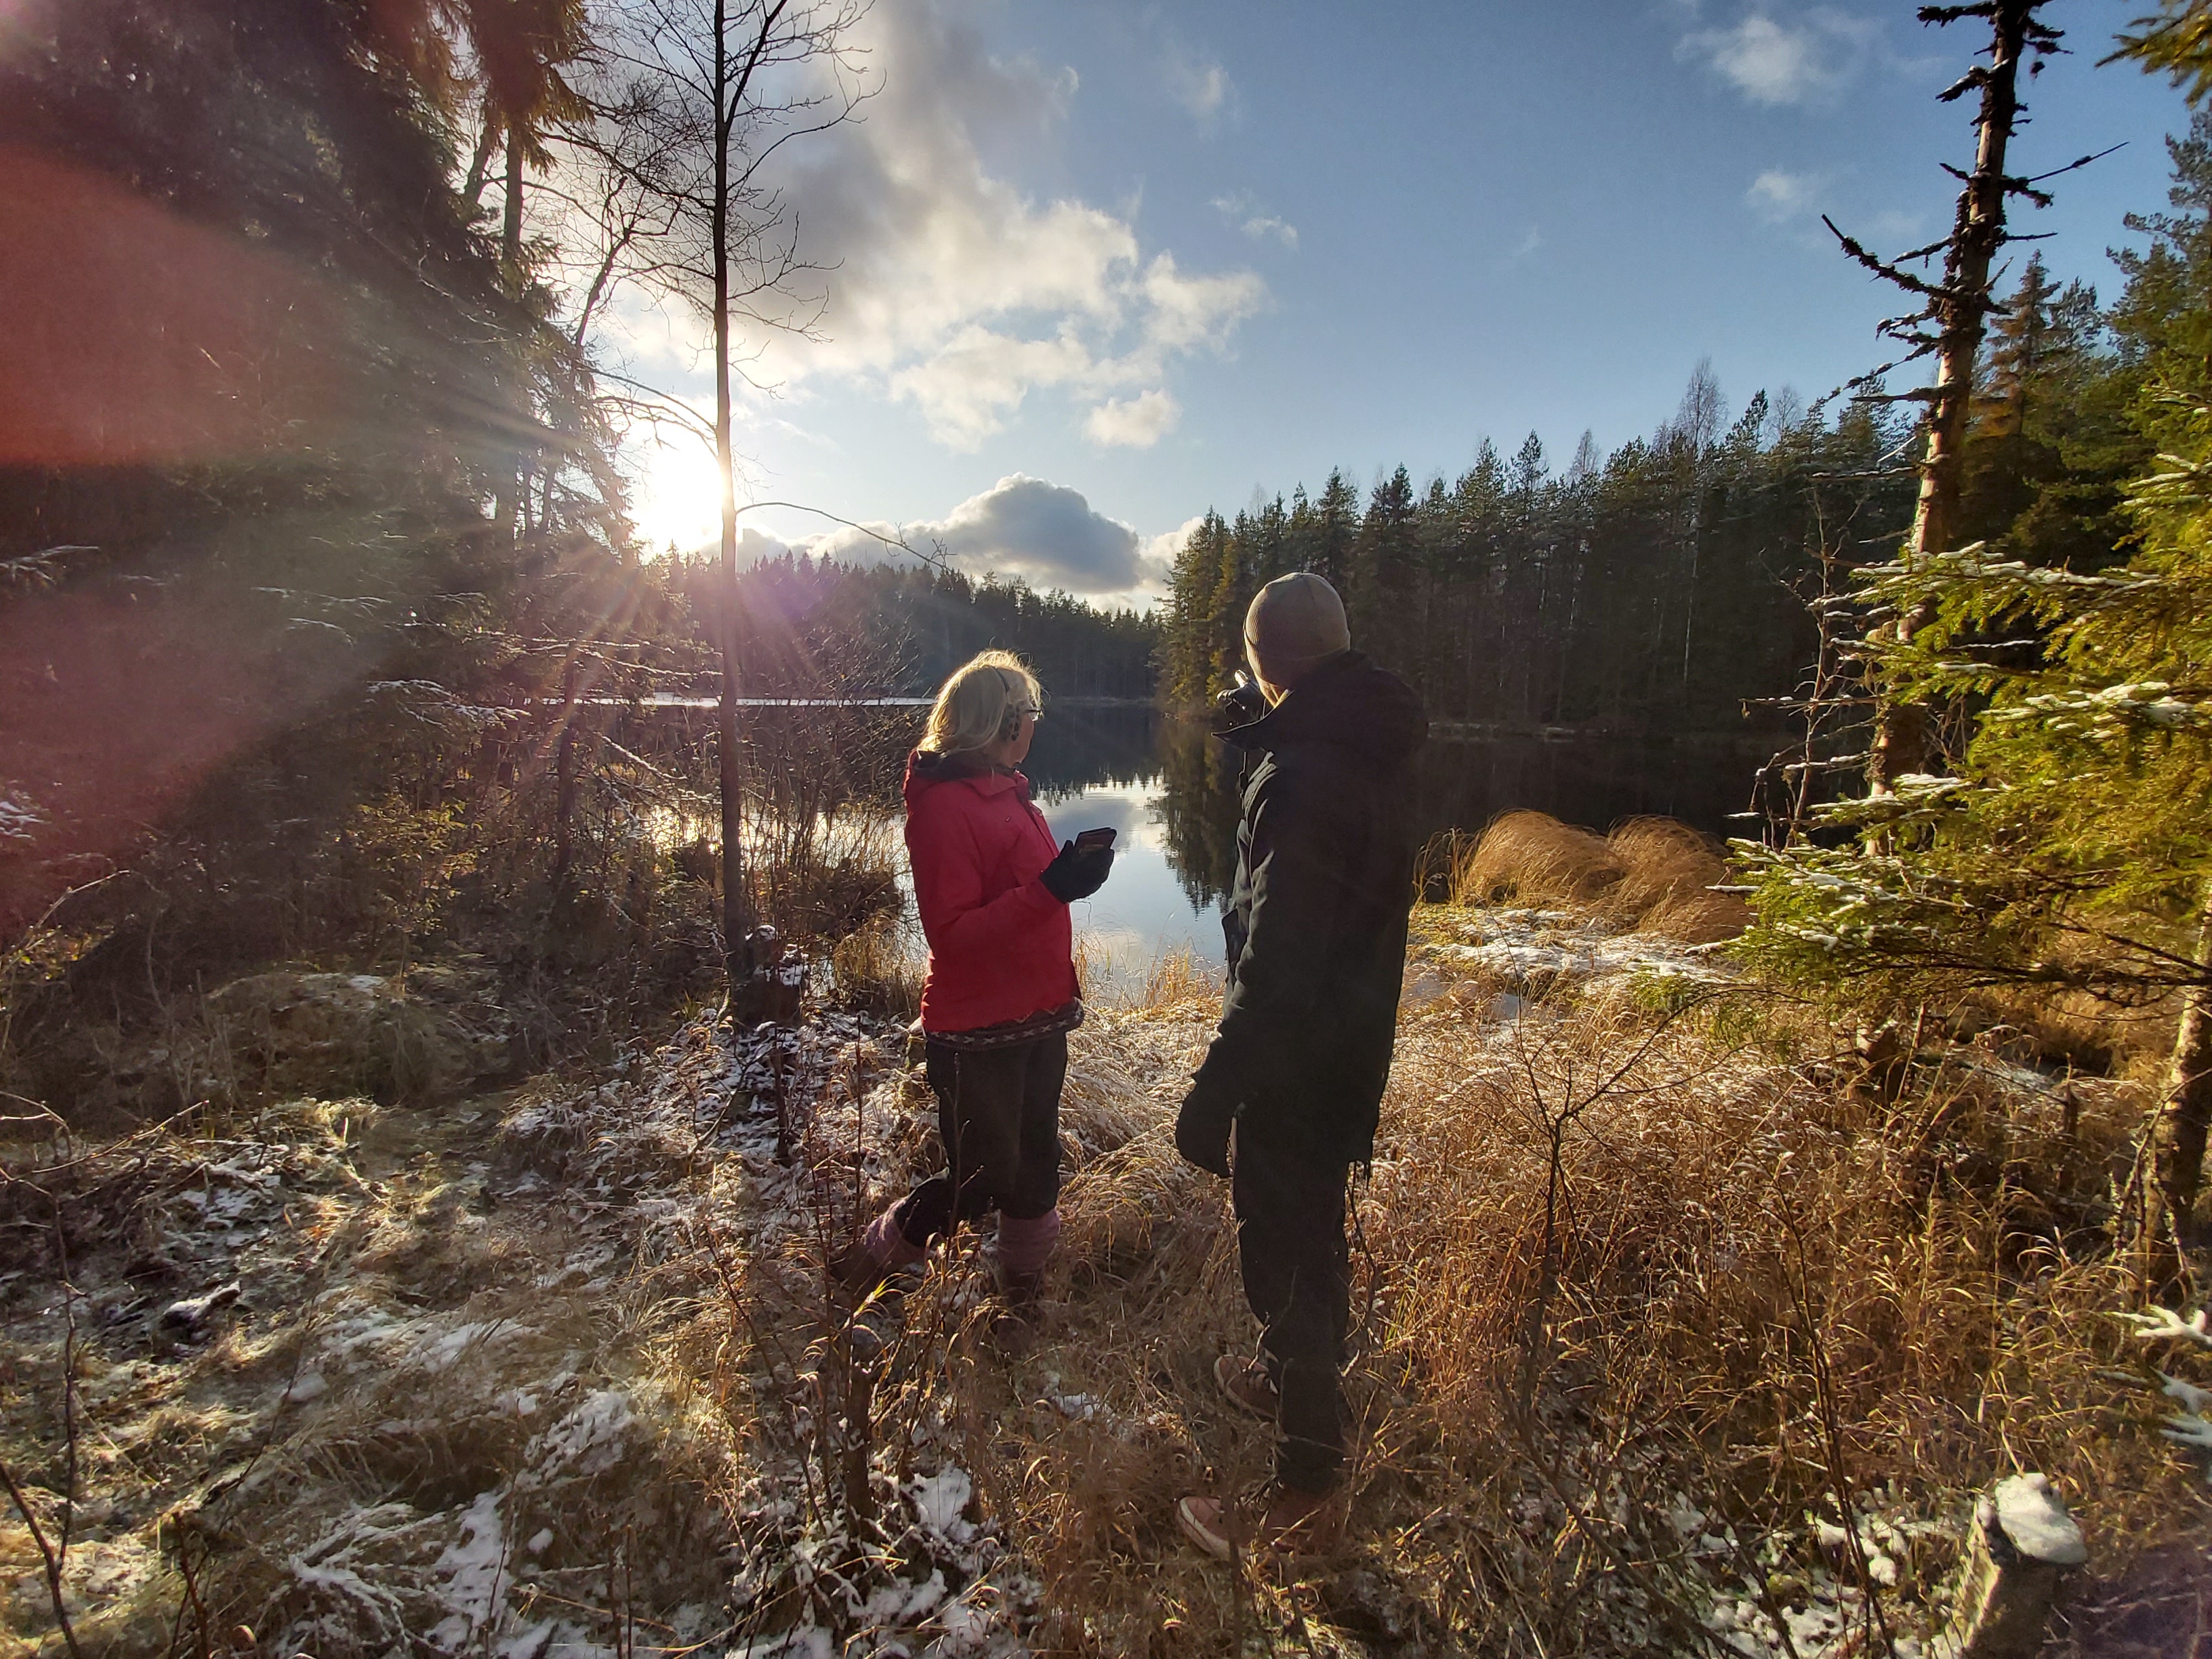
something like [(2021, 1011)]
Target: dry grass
[(824, 878), (1172, 978), (1620, 1262), (1761, 1294), (878, 970), (1650, 874)]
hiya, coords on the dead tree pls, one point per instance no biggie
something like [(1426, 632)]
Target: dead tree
[(1953, 310)]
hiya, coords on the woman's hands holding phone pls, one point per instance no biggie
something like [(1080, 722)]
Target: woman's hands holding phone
[(1082, 867)]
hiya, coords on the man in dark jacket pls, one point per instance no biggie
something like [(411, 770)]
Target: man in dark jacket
[(1315, 928)]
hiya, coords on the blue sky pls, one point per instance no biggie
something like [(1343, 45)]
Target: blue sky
[(1098, 266)]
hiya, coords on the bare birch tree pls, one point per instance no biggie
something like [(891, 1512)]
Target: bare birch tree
[(732, 82)]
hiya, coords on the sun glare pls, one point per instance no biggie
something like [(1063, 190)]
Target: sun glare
[(678, 498)]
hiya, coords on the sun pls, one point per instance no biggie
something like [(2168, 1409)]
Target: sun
[(677, 497)]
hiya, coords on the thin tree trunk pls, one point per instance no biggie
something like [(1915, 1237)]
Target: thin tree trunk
[(507, 498), (736, 899), (564, 799), (510, 227), (2185, 1112), (480, 163), (1900, 743)]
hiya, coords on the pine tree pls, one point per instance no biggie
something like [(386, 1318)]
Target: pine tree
[(1384, 592), (2022, 339), (1335, 525), (1188, 665), (1947, 324), (1233, 587)]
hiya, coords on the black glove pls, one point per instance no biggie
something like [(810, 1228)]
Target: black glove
[(1078, 872), (1202, 1128), (1242, 703)]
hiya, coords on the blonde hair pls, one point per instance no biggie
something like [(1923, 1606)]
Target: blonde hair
[(974, 704)]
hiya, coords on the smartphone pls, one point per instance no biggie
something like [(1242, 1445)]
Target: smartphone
[(1092, 841)]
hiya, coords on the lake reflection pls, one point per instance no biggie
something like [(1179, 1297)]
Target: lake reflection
[(1170, 790)]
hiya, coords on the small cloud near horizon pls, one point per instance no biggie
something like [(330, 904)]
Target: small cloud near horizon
[(1047, 534)]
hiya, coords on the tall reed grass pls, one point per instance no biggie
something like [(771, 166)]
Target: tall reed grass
[(1650, 874)]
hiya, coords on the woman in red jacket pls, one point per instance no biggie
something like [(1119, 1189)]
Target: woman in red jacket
[(1001, 996)]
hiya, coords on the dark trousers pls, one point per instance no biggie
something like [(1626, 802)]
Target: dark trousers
[(998, 1114), (1291, 1242)]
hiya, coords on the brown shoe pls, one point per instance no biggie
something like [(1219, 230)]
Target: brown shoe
[(1249, 1386), (1282, 1521)]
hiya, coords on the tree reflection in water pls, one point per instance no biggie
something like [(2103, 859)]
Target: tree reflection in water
[(1189, 780)]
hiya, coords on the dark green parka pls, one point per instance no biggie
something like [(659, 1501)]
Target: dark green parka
[(1316, 923)]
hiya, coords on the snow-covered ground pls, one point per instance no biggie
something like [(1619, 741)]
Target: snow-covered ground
[(555, 1374), (441, 1370)]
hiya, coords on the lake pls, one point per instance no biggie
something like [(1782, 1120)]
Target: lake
[(1170, 790)]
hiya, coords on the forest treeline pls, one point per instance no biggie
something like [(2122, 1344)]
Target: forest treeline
[(1675, 581), (810, 626)]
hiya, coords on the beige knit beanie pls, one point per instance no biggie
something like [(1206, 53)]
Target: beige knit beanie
[(1295, 621)]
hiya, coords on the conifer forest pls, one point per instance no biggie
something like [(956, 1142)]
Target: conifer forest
[(461, 971)]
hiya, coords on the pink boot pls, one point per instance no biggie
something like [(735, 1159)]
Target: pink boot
[(1024, 1246)]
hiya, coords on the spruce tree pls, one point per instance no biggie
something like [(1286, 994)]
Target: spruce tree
[(1385, 600), (1336, 523)]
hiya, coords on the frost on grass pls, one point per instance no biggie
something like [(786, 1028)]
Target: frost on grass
[(561, 1378)]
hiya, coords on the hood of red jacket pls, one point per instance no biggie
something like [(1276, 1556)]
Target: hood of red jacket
[(925, 771)]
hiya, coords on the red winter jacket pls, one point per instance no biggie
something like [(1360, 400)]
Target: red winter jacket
[(1000, 946)]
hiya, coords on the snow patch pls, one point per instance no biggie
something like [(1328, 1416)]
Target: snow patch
[(473, 1564)]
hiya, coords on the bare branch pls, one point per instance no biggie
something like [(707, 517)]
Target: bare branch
[(1904, 279)]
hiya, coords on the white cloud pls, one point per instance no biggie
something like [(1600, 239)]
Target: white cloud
[(1806, 61), (949, 287), (1249, 217), (1048, 534), (1158, 554), (1777, 196), (1201, 86), (1137, 423), (1895, 225)]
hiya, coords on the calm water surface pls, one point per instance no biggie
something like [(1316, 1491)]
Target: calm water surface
[(1169, 789)]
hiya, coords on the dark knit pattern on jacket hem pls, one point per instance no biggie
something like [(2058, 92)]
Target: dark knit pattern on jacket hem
[(1048, 1023)]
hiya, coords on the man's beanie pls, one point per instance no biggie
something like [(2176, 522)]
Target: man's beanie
[(1295, 621)]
